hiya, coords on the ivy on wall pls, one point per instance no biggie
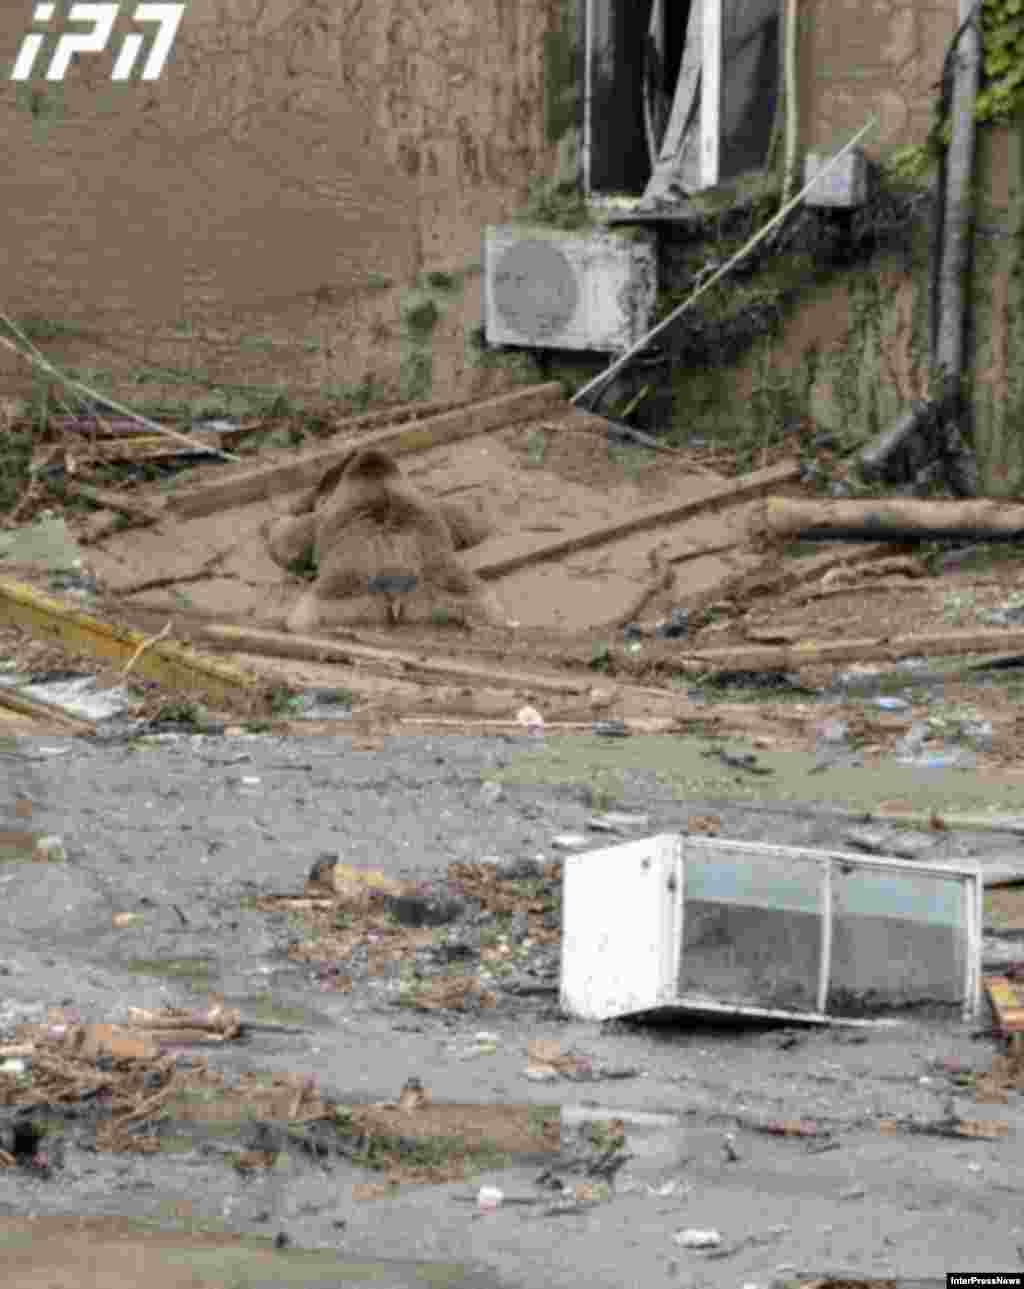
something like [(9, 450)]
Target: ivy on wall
[(1000, 95), (1002, 79)]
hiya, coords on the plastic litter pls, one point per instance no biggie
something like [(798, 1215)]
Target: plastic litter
[(532, 719), (694, 1239)]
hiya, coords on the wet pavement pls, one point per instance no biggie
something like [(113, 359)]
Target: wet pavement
[(189, 832)]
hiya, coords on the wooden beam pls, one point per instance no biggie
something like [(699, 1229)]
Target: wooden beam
[(277, 644), (889, 519), (270, 481), (945, 644), (507, 554)]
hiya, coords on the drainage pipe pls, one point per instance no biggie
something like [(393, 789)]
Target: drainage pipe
[(644, 341), (949, 358), (588, 91), (790, 66)]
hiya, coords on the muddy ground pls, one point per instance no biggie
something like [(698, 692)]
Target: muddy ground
[(188, 832), (415, 1064)]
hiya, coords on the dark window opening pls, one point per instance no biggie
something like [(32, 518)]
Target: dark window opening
[(633, 80)]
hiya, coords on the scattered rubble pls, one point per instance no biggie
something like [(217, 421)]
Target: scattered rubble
[(715, 619)]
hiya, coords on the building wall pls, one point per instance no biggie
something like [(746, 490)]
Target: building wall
[(272, 209), (867, 339), (860, 58), (854, 350)]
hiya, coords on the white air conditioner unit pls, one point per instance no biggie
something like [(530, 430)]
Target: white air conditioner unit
[(782, 932), (545, 289)]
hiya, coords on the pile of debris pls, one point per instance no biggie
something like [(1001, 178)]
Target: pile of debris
[(448, 945)]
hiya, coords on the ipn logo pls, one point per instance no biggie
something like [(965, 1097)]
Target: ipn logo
[(102, 18)]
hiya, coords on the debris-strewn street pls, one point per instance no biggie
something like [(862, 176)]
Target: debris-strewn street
[(512, 645), (368, 1055)]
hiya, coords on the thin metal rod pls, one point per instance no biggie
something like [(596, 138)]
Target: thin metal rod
[(32, 355), (619, 363)]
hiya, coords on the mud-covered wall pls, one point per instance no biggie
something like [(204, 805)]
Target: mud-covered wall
[(862, 58), (853, 351), (273, 211)]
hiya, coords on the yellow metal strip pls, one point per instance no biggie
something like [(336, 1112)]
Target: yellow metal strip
[(168, 664)]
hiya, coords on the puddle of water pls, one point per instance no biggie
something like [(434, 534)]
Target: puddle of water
[(198, 970), (263, 1007), (119, 1253), (680, 763)]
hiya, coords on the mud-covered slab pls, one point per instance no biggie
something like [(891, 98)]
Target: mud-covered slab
[(116, 1253)]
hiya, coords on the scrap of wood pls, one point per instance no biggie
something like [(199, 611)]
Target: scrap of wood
[(277, 644), (100, 428), (891, 519), (16, 1049), (146, 644), (96, 426), (505, 555), (166, 663), (142, 447), (88, 1041), (307, 470), (217, 1020), (973, 1129), (870, 649), (773, 579), (316, 648), (145, 1110), (1007, 999)]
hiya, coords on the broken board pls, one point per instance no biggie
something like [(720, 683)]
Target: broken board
[(1007, 999)]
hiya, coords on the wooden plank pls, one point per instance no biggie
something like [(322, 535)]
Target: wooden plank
[(277, 644), (448, 427), (169, 664), (141, 447), (870, 649), (1007, 999), (504, 555), (888, 519), (410, 666), (769, 579)]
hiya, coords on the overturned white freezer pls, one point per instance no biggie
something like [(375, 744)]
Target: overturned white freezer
[(716, 926)]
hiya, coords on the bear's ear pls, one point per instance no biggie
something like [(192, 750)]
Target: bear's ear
[(371, 465)]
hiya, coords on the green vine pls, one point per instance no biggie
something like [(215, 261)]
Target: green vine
[(1002, 81), (1000, 95)]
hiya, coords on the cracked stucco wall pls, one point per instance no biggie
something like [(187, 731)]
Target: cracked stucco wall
[(261, 213), (860, 58)]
